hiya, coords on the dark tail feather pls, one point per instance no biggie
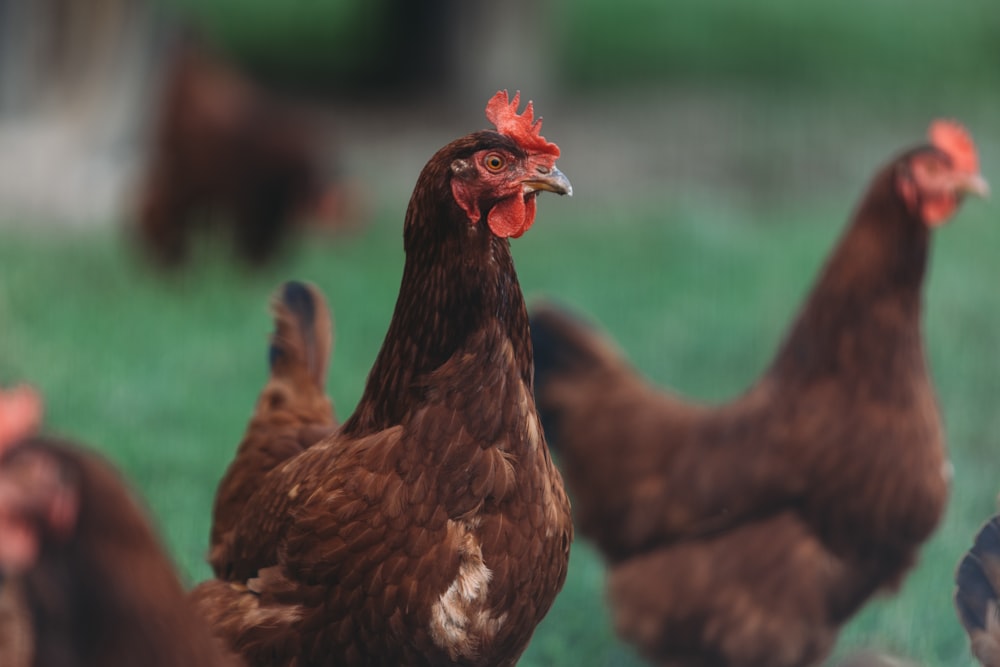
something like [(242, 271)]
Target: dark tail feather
[(977, 583), (292, 413), (303, 338), (563, 345)]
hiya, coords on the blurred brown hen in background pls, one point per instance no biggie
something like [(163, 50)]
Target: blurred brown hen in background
[(225, 151), (84, 580), (745, 534), (432, 527)]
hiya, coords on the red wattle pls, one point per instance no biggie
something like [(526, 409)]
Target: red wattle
[(512, 216)]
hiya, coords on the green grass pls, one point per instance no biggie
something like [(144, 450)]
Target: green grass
[(161, 375)]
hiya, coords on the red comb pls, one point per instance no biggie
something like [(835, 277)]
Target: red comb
[(20, 414), (522, 128), (953, 139)]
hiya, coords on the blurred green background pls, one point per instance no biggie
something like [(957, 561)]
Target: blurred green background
[(853, 44), (716, 149)]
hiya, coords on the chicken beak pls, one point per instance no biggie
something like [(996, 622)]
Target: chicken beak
[(549, 179), (975, 184)]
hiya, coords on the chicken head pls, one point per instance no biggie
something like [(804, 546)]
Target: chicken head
[(505, 180), (933, 180)]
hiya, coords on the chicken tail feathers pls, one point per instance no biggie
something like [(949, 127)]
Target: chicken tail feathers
[(303, 339), (568, 352), (977, 584), (243, 627), (563, 345), (292, 413)]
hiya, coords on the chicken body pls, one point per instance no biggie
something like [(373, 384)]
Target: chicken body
[(91, 585), (432, 527), (745, 534), (223, 147)]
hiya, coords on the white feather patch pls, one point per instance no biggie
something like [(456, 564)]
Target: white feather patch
[(460, 621)]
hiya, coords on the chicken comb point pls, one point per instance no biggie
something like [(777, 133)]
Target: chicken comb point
[(522, 128), (952, 138), (21, 412)]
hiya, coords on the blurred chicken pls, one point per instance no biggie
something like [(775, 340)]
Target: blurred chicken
[(20, 416), (977, 594), (224, 151), (746, 534), (292, 413), (84, 582), (432, 527)]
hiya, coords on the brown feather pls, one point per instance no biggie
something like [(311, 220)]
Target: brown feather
[(17, 635)]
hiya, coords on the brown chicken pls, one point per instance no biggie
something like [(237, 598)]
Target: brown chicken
[(20, 416), (977, 594), (432, 527), (85, 581), (745, 534), (225, 151)]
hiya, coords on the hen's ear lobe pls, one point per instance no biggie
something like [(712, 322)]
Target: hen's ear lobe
[(464, 192), (461, 167)]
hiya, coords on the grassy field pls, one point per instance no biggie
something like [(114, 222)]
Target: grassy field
[(161, 375)]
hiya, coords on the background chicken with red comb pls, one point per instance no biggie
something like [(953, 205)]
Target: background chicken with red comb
[(952, 138), (84, 579), (713, 517), (20, 414)]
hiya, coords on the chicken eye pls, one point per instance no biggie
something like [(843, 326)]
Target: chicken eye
[(494, 162)]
